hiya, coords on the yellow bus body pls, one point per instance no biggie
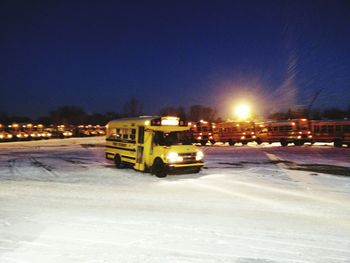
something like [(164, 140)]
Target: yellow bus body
[(138, 142)]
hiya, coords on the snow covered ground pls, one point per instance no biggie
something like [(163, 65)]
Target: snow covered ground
[(61, 201)]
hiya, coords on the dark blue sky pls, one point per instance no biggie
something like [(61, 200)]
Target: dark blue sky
[(97, 54)]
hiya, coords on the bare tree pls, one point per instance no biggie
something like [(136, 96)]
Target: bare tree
[(199, 112), (133, 108)]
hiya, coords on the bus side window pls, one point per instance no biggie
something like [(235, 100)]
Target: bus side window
[(133, 134)]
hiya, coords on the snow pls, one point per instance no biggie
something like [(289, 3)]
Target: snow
[(61, 201)]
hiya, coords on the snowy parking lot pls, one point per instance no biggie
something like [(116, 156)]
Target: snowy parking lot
[(62, 201)]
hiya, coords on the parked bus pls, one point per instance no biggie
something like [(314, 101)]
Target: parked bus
[(335, 131), (44, 133), (235, 132), (100, 130), (64, 131), (156, 144), (202, 132), (32, 131), (18, 132), (4, 135), (297, 131)]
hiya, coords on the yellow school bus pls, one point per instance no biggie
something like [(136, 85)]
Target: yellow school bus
[(159, 145)]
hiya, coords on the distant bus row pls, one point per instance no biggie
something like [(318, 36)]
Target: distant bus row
[(296, 131), (28, 131)]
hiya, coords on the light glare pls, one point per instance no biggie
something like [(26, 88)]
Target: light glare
[(242, 111)]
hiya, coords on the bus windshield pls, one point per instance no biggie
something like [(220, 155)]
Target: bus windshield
[(303, 126), (172, 138), (247, 128)]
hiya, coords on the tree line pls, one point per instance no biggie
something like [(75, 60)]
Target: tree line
[(333, 113), (133, 107)]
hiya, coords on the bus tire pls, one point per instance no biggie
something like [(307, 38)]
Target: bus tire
[(203, 142), (197, 170), (338, 143), (158, 168), (298, 143), (244, 142), (118, 161), (258, 141), (283, 142), (230, 142), (212, 142)]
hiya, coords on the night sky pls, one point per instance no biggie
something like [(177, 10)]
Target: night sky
[(98, 54)]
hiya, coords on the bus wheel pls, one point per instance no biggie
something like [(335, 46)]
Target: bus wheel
[(231, 142), (338, 143), (158, 168), (258, 141), (197, 170), (298, 143), (283, 142), (203, 142), (118, 161), (244, 143), (212, 142)]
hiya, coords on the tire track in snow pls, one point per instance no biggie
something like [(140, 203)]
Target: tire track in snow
[(305, 178), (47, 169), (261, 198), (291, 193), (13, 167)]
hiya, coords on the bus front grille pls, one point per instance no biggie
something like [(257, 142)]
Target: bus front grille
[(188, 157)]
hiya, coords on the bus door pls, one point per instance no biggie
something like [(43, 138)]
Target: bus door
[(139, 165), (144, 148)]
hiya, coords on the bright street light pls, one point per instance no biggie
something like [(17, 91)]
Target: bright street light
[(242, 111)]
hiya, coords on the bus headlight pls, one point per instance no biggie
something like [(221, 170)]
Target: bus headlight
[(199, 156), (67, 133), (174, 157)]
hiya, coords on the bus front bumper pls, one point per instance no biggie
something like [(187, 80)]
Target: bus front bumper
[(184, 168)]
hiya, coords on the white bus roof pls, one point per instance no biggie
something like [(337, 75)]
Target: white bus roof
[(153, 122)]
